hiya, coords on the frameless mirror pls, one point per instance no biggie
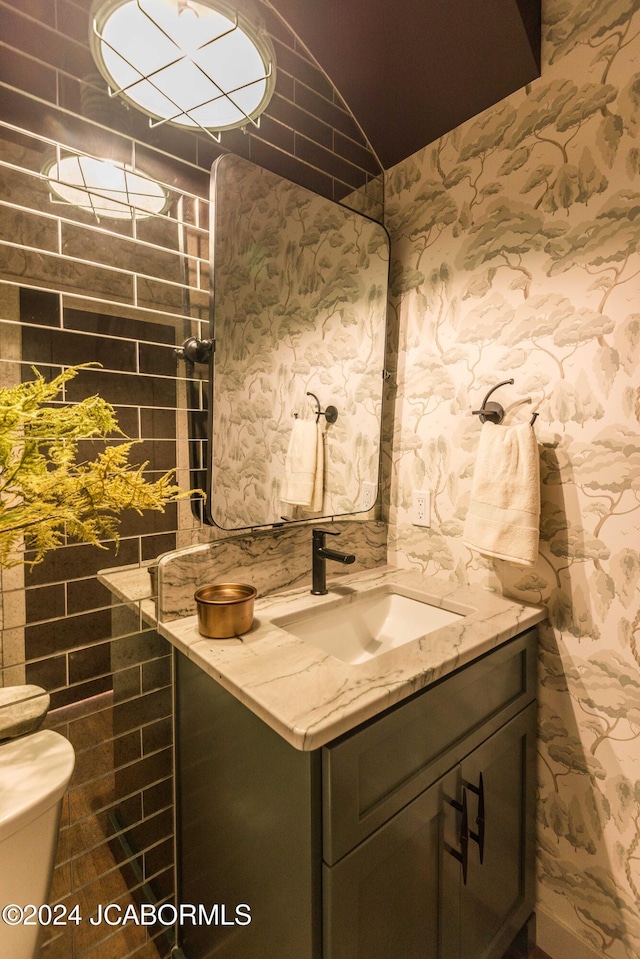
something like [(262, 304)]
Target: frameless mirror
[(299, 286)]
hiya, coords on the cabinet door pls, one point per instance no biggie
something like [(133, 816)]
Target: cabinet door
[(373, 772), (498, 896), (384, 899), (404, 892)]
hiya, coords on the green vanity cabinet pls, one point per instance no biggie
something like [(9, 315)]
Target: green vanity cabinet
[(395, 794), (354, 851), (403, 887)]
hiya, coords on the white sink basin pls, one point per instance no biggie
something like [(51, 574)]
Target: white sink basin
[(358, 628)]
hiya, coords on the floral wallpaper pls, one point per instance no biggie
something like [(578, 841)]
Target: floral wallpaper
[(300, 297), (516, 253)]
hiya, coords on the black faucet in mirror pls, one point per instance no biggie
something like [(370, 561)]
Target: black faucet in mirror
[(320, 555)]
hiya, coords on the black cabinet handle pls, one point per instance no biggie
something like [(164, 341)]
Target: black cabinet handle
[(462, 855), (480, 823)]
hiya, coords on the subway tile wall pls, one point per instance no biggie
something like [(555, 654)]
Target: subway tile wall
[(108, 672), (123, 294)]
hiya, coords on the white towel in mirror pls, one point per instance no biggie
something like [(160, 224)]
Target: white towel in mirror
[(304, 466), (318, 480)]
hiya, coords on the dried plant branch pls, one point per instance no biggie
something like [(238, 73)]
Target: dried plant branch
[(45, 494)]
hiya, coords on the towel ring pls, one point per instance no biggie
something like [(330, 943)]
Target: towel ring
[(330, 413), (494, 412)]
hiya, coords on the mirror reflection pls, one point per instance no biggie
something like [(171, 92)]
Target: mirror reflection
[(299, 288)]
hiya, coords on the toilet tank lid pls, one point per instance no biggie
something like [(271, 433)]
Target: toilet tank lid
[(22, 710), (34, 773)]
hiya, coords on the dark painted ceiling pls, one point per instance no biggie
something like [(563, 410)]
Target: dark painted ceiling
[(412, 70)]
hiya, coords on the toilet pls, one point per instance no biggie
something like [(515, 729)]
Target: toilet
[(34, 774)]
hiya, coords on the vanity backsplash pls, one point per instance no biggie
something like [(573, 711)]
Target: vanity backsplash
[(269, 560)]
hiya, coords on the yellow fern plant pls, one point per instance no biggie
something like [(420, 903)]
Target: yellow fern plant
[(46, 495)]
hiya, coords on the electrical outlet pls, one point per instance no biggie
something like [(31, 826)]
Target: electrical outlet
[(369, 494), (421, 508)]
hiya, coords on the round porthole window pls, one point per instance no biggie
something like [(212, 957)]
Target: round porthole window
[(183, 62), (103, 188)]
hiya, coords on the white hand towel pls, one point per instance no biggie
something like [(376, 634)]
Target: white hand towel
[(504, 513), (300, 464)]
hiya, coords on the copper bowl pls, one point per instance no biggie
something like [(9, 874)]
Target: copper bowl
[(225, 610)]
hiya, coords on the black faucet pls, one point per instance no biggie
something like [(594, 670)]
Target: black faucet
[(320, 555)]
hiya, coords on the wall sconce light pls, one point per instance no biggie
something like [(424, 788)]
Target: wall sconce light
[(104, 188), (192, 64)]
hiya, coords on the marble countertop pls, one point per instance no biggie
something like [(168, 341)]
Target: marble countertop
[(310, 697)]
